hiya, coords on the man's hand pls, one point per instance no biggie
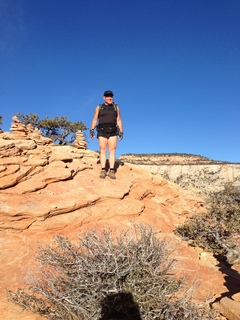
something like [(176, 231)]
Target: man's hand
[(120, 135), (92, 134)]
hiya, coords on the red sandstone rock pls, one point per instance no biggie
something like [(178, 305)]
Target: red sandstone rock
[(49, 190), (231, 308)]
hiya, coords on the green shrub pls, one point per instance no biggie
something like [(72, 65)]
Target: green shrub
[(108, 276), (218, 230)]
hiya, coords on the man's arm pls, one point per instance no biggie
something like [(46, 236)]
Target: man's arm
[(95, 118), (119, 120)]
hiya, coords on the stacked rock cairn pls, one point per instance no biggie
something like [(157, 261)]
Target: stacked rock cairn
[(80, 142), (19, 130)]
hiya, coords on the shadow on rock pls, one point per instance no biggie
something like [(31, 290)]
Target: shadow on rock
[(118, 164), (232, 278), (119, 306)]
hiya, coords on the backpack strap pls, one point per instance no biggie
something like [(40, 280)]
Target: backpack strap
[(100, 107), (115, 107)]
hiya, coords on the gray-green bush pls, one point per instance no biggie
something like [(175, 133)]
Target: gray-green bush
[(106, 276), (219, 229)]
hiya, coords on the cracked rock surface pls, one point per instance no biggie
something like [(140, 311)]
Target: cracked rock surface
[(47, 190)]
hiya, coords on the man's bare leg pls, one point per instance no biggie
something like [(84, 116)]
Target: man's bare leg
[(112, 145), (103, 150)]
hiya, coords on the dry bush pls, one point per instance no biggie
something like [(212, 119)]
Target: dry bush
[(218, 230), (107, 276)]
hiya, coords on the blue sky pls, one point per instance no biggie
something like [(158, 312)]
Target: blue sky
[(173, 65)]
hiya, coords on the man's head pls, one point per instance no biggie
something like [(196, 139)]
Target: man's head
[(108, 93), (108, 97)]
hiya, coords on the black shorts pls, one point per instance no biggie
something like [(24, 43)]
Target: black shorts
[(107, 131)]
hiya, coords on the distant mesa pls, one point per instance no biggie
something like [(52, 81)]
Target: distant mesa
[(167, 158)]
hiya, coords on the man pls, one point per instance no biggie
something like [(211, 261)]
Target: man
[(107, 120)]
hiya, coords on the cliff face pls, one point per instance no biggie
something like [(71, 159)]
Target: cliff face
[(47, 190), (197, 173), (168, 158)]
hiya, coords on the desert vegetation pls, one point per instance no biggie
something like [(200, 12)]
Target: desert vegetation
[(218, 230), (202, 181), (107, 275), (60, 129)]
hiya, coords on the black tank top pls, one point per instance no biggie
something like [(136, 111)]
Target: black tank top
[(107, 114)]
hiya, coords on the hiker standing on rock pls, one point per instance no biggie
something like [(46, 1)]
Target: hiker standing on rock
[(108, 123)]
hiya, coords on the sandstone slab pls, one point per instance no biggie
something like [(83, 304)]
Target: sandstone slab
[(61, 193), (231, 308)]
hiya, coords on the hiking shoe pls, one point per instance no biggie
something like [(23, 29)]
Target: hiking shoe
[(111, 174), (103, 174)]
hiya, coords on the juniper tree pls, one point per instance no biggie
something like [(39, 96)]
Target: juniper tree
[(60, 129)]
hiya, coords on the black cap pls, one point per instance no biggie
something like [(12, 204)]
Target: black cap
[(108, 93)]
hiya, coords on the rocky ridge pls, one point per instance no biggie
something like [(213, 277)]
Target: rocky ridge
[(200, 174), (47, 190)]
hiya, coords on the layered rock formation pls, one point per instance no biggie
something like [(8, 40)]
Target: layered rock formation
[(47, 190), (198, 173)]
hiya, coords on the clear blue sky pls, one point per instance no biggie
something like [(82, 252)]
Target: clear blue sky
[(173, 65)]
